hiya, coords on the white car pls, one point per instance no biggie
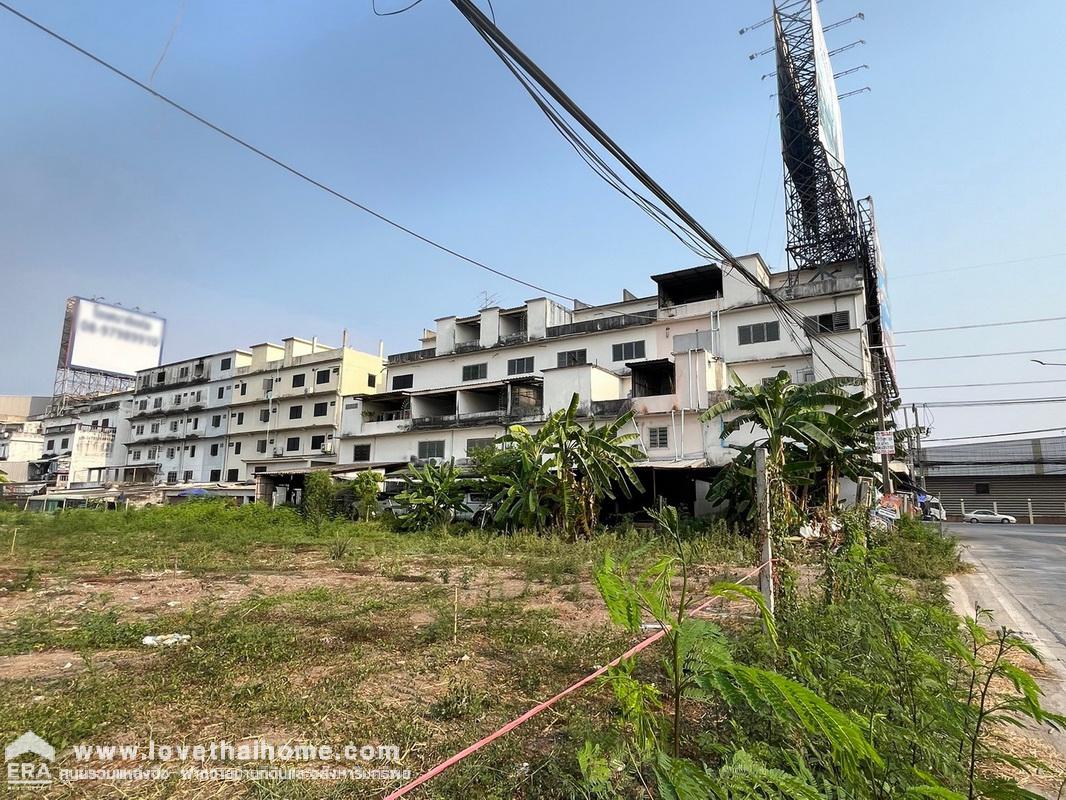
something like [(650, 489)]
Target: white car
[(984, 515)]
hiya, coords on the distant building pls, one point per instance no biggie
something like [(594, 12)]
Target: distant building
[(1002, 476)]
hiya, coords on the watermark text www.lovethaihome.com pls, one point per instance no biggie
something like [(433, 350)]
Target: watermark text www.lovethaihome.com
[(32, 761)]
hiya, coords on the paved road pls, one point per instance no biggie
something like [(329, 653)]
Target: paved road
[(1021, 575)]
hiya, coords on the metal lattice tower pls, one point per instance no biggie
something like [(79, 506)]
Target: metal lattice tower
[(73, 385), (819, 208)]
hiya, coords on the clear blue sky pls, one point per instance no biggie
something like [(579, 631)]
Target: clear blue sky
[(108, 192)]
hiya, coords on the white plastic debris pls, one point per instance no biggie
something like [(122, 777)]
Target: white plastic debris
[(165, 639)]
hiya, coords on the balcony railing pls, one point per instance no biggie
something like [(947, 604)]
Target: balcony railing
[(514, 338), (601, 324), (412, 355), (467, 347), (825, 286), (474, 418), (610, 408)]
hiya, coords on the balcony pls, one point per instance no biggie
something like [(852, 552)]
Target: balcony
[(601, 324), (518, 337), (467, 347), (475, 418), (610, 408), (412, 355)]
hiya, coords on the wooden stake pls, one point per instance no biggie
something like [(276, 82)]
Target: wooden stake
[(14, 533), (455, 621), (762, 499)]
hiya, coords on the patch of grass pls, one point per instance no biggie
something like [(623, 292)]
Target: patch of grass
[(915, 549)]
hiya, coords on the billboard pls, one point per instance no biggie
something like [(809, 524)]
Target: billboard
[(830, 127), (109, 339)]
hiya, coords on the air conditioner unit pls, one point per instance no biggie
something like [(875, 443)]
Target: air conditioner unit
[(327, 448), (278, 452)]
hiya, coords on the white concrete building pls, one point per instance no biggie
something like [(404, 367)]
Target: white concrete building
[(668, 356), (81, 445), (225, 416)]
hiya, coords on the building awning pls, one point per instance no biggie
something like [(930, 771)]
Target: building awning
[(683, 463)]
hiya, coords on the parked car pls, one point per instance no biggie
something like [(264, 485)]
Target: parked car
[(984, 515)]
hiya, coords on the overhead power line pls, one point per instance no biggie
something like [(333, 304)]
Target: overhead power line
[(984, 355), (978, 385), (993, 435), (981, 325), (1009, 401), (277, 161), (901, 276)]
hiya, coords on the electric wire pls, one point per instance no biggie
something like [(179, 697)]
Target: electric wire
[(978, 385), (992, 435), (977, 266), (981, 325), (277, 161), (984, 355)]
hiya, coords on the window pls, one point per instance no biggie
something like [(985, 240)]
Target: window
[(155, 427), (268, 385), (225, 363), (658, 438), (216, 421), (256, 469), (221, 392), (195, 423), (318, 441), (183, 372), (199, 394), (170, 452), (236, 448), (433, 449), (361, 452), (479, 444), (105, 423), (214, 449), (264, 415), (296, 412), (475, 372), (173, 426), (177, 399), (759, 332), (321, 409), (63, 445), (172, 477), (244, 389), (520, 366), (142, 405), (292, 444), (982, 488), (192, 451), (298, 380), (322, 377), (215, 476), (139, 430), (627, 351), (371, 380), (151, 453), (157, 403), (231, 474), (572, 358), (51, 444), (136, 455), (402, 382), (160, 377), (240, 417), (261, 446), (187, 476), (827, 323)]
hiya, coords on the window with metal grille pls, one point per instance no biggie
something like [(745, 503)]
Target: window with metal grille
[(627, 351), (520, 366), (832, 322), (261, 446), (216, 475), (292, 443), (317, 441), (475, 372), (759, 332), (658, 438), (982, 488), (225, 363), (572, 358), (361, 452), (322, 376), (321, 409), (479, 444), (431, 449), (402, 382), (296, 412), (298, 380)]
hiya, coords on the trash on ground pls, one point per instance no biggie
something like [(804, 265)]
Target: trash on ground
[(166, 639)]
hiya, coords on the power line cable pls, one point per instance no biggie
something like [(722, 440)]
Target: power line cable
[(984, 265), (984, 355), (981, 325), (979, 385), (1008, 401), (993, 435), (374, 5), (277, 161)]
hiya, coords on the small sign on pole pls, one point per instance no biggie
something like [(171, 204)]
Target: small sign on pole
[(885, 443)]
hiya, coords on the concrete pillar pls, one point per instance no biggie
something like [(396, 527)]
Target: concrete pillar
[(962, 505), (1029, 502), (995, 507)]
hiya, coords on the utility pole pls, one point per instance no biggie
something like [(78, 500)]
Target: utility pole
[(764, 523), (918, 448), (879, 390)]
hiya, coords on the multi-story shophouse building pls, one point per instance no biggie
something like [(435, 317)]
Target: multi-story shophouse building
[(224, 416), (668, 356), (83, 444)]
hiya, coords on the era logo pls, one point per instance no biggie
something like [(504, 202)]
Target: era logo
[(29, 773)]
